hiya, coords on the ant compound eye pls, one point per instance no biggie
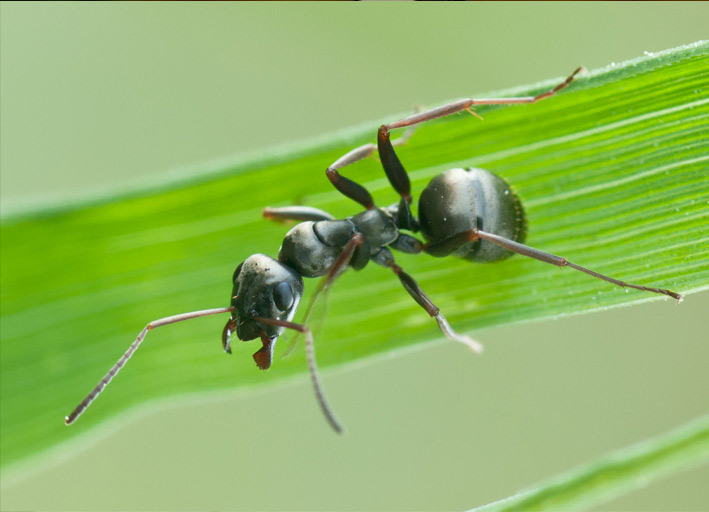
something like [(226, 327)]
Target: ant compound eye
[(283, 296)]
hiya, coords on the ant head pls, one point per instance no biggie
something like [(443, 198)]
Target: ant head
[(264, 288)]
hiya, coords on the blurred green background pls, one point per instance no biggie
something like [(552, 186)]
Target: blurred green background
[(100, 97)]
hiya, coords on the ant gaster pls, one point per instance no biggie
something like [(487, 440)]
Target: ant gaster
[(468, 213)]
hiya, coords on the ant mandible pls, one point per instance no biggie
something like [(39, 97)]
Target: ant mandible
[(468, 213)]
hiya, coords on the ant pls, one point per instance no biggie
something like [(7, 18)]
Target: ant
[(468, 213)]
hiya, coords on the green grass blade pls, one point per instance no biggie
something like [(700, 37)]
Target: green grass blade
[(621, 472), (612, 172)]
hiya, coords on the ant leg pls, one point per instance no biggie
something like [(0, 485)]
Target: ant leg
[(299, 213), (312, 366), (404, 138), (340, 265), (349, 188), (343, 260), (465, 104), (563, 262), (134, 346), (531, 99), (426, 303), (407, 243), (392, 166), (346, 186), (525, 250), (336, 270)]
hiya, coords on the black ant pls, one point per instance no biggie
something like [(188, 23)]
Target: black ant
[(468, 213)]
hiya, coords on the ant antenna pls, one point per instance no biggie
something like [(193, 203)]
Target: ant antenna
[(134, 346), (312, 366)]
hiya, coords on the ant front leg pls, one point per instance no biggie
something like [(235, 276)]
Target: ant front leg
[(340, 265), (312, 366)]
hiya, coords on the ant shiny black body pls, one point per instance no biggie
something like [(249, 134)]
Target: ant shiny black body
[(468, 213)]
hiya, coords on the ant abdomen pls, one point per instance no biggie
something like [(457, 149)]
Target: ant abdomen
[(460, 200)]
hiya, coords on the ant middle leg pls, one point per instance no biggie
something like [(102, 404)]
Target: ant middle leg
[(350, 188), (385, 258), (346, 186)]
